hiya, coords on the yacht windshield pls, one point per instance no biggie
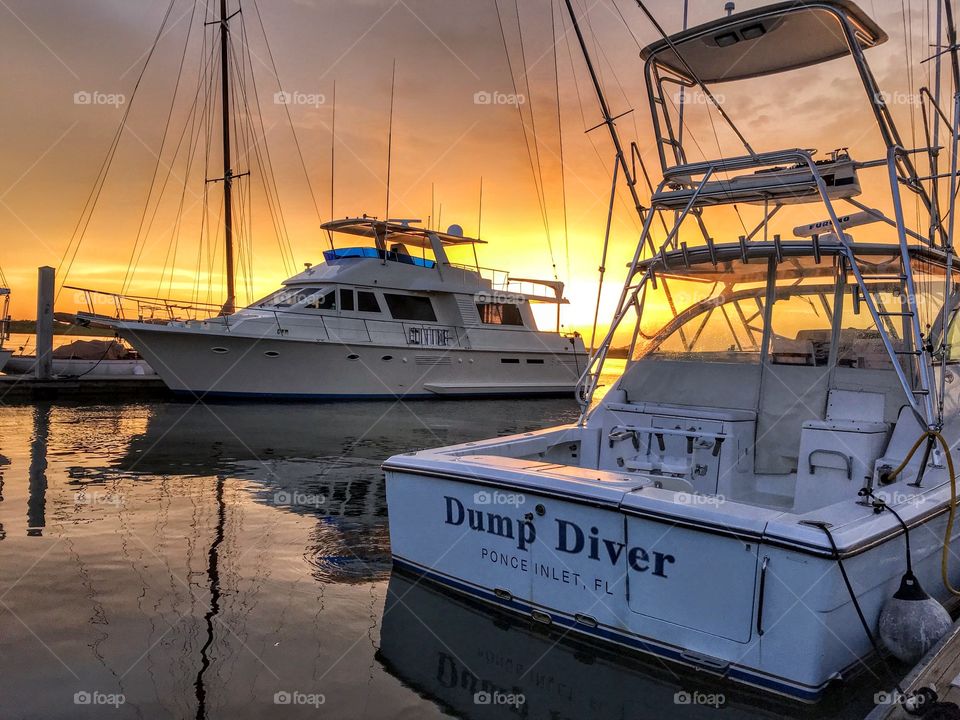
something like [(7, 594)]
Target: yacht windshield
[(819, 316), (704, 314)]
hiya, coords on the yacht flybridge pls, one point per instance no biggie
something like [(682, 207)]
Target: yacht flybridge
[(738, 501), (395, 318)]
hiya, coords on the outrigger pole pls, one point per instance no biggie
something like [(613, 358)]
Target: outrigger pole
[(608, 119)]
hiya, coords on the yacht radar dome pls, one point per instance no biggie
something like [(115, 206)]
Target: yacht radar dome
[(455, 230)]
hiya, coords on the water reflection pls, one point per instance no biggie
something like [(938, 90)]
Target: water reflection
[(462, 655), (37, 504), (203, 561)]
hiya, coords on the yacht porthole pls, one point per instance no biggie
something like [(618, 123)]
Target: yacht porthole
[(387, 358), (220, 350), (353, 356), (272, 353)]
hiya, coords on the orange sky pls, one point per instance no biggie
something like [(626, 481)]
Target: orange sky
[(445, 54)]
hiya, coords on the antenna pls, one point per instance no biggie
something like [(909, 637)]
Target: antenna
[(393, 85), (333, 155), (683, 90), (480, 209), (728, 8)]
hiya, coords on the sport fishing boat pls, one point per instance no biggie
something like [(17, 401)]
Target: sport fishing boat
[(395, 319), (740, 500)]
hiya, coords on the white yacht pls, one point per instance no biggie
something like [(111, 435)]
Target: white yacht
[(739, 499), (391, 318)]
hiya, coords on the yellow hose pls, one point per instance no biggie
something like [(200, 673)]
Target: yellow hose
[(952, 509)]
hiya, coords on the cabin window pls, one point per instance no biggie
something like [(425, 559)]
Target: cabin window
[(326, 301), (287, 297), (346, 299), (410, 307), (367, 302), (499, 314)]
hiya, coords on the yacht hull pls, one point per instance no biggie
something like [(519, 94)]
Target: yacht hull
[(721, 598), (234, 366), (4, 357)]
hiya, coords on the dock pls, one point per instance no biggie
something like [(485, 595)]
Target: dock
[(939, 669), (20, 388)]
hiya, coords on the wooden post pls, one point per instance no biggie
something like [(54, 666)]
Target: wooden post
[(45, 288)]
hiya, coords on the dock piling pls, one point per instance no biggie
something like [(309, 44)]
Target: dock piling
[(46, 280)]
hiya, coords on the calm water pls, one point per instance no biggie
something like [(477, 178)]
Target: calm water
[(199, 560)]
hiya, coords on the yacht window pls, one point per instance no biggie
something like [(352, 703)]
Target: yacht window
[(367, 302), (499, 314), (327, 301), (346, 299), (410, 307), (287, 297)]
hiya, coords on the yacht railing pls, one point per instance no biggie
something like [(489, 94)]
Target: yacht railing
[(353, 329), (141, 309)]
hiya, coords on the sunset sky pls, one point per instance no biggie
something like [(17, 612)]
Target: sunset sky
[(444, 140)]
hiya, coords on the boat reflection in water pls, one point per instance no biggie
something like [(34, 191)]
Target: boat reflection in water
[(478, 662)]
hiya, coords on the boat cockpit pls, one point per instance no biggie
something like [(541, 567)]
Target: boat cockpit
[(756, 374)]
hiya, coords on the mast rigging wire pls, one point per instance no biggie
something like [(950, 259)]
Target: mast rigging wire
[(86, 213)]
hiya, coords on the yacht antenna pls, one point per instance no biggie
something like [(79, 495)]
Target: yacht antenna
[(683, 90), (728, 8), (393, 85), (608, 119), (476, 260), (231, 302), (333, 151)]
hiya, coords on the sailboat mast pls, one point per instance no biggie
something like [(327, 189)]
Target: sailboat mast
[(230, 305), (605, 110)]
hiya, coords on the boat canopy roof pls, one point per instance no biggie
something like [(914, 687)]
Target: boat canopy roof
[(397, 231), (766, 40), (712, 265)]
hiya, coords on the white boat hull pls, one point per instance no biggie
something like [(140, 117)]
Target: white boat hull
[(231, 365), (691, 585), (25, 365)]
